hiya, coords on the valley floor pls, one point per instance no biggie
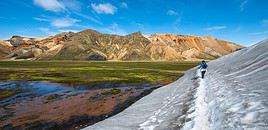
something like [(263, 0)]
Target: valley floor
[(75, 94)]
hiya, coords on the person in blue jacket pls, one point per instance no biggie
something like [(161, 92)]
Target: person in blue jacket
[(203, 68)]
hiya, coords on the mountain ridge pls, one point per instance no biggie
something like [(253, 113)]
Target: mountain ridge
[(93, 45)]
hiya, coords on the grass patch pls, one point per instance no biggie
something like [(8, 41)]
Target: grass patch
[(82, 72)]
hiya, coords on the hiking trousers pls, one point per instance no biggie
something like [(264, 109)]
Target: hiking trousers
[(203, 74)]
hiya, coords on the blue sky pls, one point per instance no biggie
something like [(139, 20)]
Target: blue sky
[(242, 21)]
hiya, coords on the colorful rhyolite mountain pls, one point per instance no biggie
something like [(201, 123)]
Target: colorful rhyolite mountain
[(92, 45)]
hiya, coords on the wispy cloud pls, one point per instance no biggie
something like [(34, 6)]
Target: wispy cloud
[(41, 19), (67, 8), (177, 23), (68, 30), (114, 28), (7, 18), (58, 5), (243, 5), (95, 20), (138, 24), (105, 8), (63, 22), (72, 4), (238, 29), (47, 31), (264, 22), (50, 5), (213, 28), (124, 5), (259, 33), (172, 13)]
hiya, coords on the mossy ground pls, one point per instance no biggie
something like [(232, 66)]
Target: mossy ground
[(7, 93), (83, 72), (112, 91)]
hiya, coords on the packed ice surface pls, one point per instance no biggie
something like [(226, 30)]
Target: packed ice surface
[(233, 95)]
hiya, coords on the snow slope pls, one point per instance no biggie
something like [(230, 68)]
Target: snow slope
[(233, 95)]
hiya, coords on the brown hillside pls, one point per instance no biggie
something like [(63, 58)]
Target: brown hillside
[(5, 49), (92, 45), (168, 46)]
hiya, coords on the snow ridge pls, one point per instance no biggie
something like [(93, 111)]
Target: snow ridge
[(201, 120), (200, 116)]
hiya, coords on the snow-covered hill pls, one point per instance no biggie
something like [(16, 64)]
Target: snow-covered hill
[(234, 95)]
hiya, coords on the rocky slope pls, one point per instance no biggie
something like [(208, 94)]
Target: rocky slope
[(92, 45), (5, 49), (168, 46)]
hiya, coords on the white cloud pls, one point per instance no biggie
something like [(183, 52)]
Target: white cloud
[(105, 8), (124, 5), (213, 28), (63, 22), (243, 4), (172, 13), (51, 5), (72, 4), (259, 33)]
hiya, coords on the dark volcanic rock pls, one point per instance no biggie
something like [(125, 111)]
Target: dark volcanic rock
[(26, 55), (96, 56)]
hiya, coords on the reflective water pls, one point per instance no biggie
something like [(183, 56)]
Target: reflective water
[(31, 89)]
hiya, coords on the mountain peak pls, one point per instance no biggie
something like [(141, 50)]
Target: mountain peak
[(89, 31), (139, 33)]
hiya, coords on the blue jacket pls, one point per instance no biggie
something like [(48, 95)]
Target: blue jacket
[(203, 66)]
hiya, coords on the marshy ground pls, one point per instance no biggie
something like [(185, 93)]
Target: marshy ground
[(74, 94)]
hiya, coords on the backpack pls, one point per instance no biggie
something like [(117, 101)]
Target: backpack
[(204, 66)]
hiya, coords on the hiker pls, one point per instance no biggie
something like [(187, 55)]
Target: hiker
[(203, 68)]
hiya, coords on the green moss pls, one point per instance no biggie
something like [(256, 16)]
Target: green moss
[(8, 93), (93, 72), (115, 91), (51, 97), (13, 77), (112, 91), (58, 79)]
